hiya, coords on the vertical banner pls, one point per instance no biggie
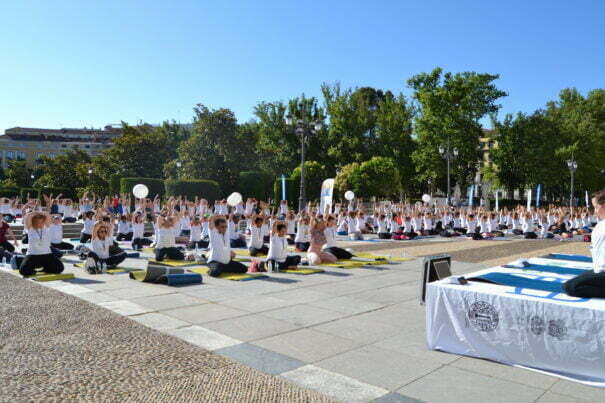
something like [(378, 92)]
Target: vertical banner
[(327, 192), (538, 194), (283, 187), (471, 193), (497, 204), (528, 198), (586, 197)]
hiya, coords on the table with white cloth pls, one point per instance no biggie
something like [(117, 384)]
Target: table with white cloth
[(544, 330)]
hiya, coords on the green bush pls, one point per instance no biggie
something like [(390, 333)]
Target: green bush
[(205, 189), (33, 193), (114, 184), (156, 186), (66, 192), (377, 177), (292, 191), (10, 192), (315, 174), (255, 184)]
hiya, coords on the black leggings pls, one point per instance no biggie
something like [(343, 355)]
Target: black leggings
[(217, 268), (291, 261), (259, 251), (138, 243), (587, 285), (339, 252), (85, 237), (69, 220), (7, 246), (62, 246), (199, 244), (384, 235), (170, 253), (302, 246), (530, 235), (111, 261), (124, 237), (49, 264)]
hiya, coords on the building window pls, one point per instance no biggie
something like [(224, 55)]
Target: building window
[(10, 155), (21, 155)]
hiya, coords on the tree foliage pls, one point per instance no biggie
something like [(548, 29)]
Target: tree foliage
[(315, 174)]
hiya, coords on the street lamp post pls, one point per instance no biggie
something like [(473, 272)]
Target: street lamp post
[(448, 154), (572, 165), (303, 131)]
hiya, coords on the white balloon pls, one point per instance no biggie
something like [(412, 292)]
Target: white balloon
[(234, 199), (349, 195), (140, 191), (426, 198)]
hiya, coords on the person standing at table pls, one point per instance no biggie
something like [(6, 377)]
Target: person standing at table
[(592, 284)]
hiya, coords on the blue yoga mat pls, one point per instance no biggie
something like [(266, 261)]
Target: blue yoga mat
[(572, 258), (550, 269), (521, 282), (133, 254), (185, 278)]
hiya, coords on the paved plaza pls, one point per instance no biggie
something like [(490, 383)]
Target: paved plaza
[(346, 334)]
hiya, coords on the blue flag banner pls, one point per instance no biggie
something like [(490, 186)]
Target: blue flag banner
[(538, 194), (283, 187), (471, 193)]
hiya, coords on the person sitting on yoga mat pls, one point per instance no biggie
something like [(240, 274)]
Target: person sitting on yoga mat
[(302, 239), (88, 219), (4, 231), (195, 234), (220, 259), (100, 256), (278, 249), (138, 232), (315, 254), (39, 254), (235, 236), (592, 284), (256, 244), (125, 232), (381, 222), (291, 223), (56, 235), (330, 234), (165, 242), (528, 227)]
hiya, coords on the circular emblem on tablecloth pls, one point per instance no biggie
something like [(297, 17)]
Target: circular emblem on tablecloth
[(557, 329), (536, 325), (483, 316)]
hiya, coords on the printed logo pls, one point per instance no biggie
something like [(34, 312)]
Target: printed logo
[(483, 316), (536, 325), (557, 329)]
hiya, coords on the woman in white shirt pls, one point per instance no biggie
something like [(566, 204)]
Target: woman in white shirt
[(330, 246), (236, 237), (138, 232), (592, 284), (100, 256), (56, 235), (256, 242), (165, 242), (291, 227), (302, 239), (125, 232), (39, 254), (471, 228), (381, 221), (278, 249), (196, 235), (220, 259), (528, 227), (88, 219)]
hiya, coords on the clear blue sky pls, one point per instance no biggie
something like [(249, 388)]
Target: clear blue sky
[(82, 63)]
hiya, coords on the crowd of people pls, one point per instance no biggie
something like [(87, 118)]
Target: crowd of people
[(180, 225)]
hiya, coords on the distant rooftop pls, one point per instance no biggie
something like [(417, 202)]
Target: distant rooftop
[(108, 133)]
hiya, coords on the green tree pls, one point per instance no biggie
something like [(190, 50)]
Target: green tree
[(18, 174), (62, 170), (377, 177), (450, 107), (315, 174)]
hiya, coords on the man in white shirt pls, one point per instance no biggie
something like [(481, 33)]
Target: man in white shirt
[(220, 259), (592, 284)]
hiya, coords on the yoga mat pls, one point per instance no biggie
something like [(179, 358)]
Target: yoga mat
[(519, 282), (42, 276), (345, 264), (230, 276), (133, 254), (549, 269), (303, 271), (366, 255), (154, 274), (117, 270), (181, 279), (572, 258)]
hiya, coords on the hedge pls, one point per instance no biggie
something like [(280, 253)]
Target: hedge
[(292, 191), (66, 192), (255, 184), (10, 192), (33, 193), (156, 186), (205, 189), (114, 184)]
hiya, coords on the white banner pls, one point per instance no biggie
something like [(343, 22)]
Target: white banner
[(548, 331), (528, 198), (326, 196)]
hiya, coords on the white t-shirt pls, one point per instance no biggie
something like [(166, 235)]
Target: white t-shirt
[(124, 227), (39, 241), (138, 230), (56, 233), (101, 247), (330, 234), (597, 244), (278, 249), (164, 238), (220, 247), (196, 233), (88, 225), (302, 234), (256, 237)]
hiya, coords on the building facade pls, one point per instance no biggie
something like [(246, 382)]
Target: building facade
[(29, 144)]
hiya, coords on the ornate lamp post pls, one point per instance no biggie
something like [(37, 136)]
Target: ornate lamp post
[(448, 154), (572, 165), (303, 130)]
